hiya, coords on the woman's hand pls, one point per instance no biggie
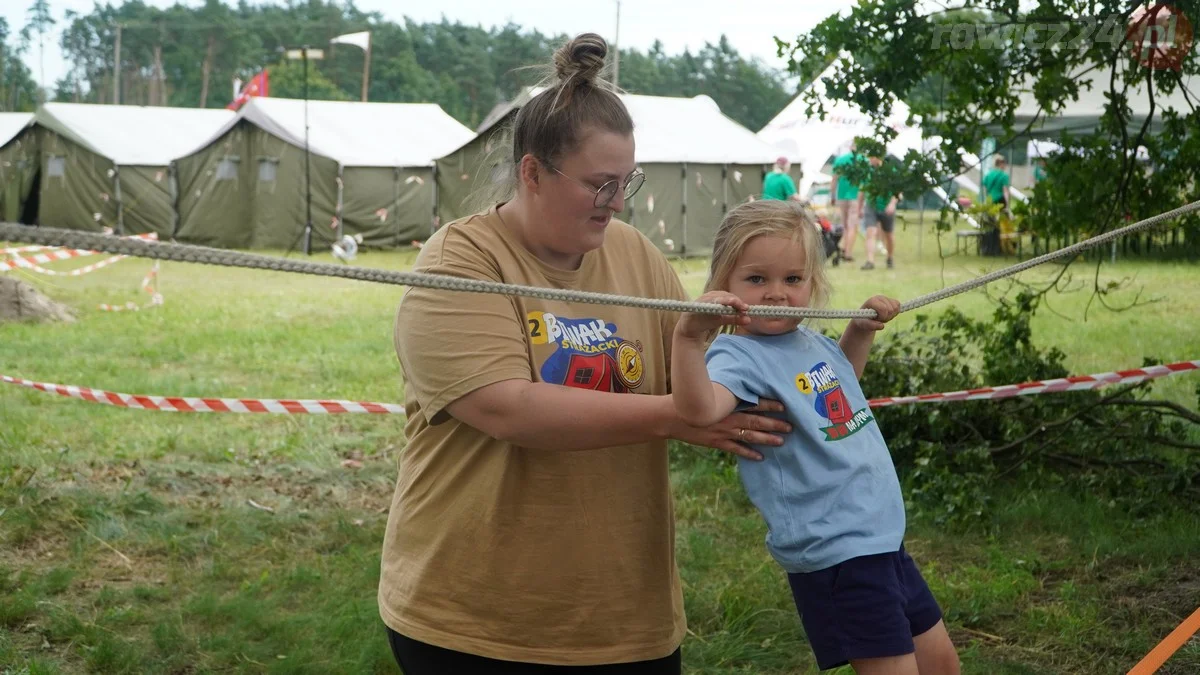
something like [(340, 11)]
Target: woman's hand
[(738, 429), (694, 326)]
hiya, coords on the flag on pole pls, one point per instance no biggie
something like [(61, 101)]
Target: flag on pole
[(361, 40), (259, 85)]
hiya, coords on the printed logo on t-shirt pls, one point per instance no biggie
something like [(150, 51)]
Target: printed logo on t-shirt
[(588, 353), (831, 402)]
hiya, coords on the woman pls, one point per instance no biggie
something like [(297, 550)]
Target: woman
[(532, 528)]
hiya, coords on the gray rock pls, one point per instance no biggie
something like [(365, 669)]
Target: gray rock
[(21, 302)]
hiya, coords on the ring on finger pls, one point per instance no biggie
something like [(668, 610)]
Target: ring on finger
[(741, 433)]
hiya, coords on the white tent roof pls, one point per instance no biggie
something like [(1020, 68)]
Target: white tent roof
[(675, 129), (133, 135), (667, 129), (354, 133), (1082, 116), (1040, 148), (11, 124), (821, 178), (809, 141)]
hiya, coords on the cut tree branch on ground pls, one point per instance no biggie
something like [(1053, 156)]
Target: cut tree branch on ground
[(1043, 428), (1175, 408)]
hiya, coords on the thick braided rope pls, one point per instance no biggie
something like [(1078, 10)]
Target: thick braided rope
[(1071, 250), (216, 256)]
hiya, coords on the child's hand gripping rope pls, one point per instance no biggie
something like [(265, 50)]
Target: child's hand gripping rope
[(885, 308), (695, 326)]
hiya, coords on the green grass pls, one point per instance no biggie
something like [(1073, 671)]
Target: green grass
[(128, 542)]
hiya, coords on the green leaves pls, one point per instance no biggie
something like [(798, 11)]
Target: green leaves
[(951, 456), (964, 71), (287, 81)]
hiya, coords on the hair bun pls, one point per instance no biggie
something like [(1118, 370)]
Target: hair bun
[(581, 60)]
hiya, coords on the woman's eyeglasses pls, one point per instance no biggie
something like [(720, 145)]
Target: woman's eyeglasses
[(605, 193)]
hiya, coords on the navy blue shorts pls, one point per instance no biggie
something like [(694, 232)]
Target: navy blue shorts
[(864, 608)]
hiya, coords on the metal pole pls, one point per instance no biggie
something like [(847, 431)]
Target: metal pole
[(117, 68), (436, 222), (41, 97), (366, 77), (920, 225), (307, 176), (120, 202), (173, 186), (617, 49), (683, 231), (724, 189), (394, 210), (341, 224)]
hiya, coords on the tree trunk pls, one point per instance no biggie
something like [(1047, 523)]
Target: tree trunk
[(2, 97), (157, 96), (206, 71)]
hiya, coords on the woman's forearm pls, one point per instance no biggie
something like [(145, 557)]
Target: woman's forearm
[(555, 417)]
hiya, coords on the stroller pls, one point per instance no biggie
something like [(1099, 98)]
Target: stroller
[(831, 235)]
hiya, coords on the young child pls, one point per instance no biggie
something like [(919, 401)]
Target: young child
[(829, 494)]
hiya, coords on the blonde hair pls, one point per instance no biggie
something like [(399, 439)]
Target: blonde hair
[(769, 217)]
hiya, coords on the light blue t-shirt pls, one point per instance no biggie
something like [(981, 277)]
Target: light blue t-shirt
[(830, 492)]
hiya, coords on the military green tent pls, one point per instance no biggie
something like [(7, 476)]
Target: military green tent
[(110, 165), (18, 167), (370, 171), (698, 164)]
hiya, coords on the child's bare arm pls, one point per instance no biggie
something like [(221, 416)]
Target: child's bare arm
[(860, 333), (698, 401)]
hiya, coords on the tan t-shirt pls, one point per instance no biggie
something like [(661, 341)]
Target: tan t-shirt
[(560, 557)]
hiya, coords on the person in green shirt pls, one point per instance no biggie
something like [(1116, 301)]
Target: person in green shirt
[(778, 184), (995, 189), (879, 213), (995, 184), (1039, 170), (848, 198)]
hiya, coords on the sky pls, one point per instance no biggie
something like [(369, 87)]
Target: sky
[(750, 30)]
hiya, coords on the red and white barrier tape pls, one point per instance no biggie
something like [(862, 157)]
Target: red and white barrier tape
[(323, 407), (1076, 383), (231, 405), (24, 264), (33, 262), (25, 249), (150, 285)]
